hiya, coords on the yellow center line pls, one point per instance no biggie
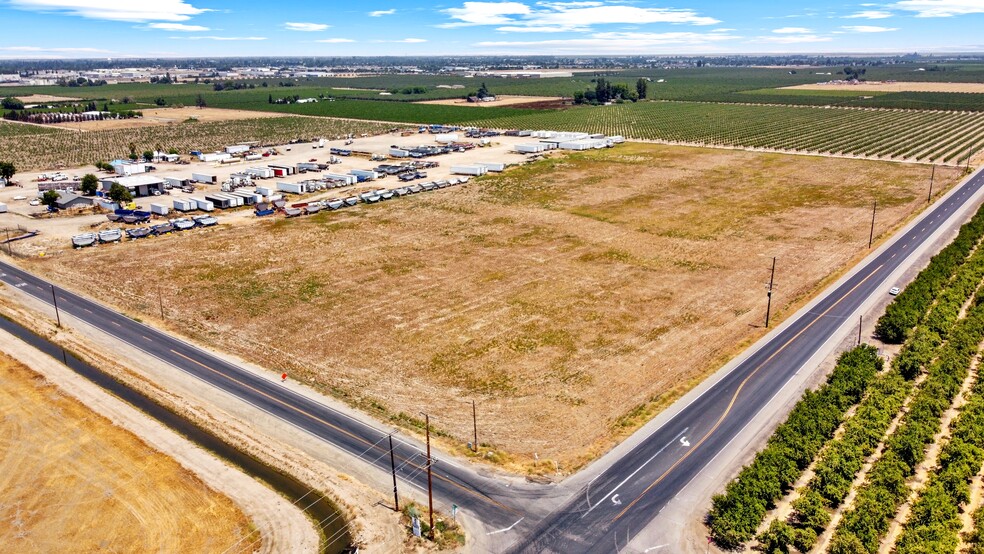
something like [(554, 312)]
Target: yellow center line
[(738, 391), (343, 431)]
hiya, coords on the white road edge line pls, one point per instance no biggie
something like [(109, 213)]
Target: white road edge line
[(503, 530)]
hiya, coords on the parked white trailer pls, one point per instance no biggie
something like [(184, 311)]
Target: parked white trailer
[(530, 148), (205, 178), (475, 170), (159, 209), (260, 172), (237, 149), (203, 204), (265, 191), (345, 177), (287, 169), (250, 198), (295, 188), (219, 201), (399, 153), (213, 157), (446, 138), (495, 167), (183, 205), (235, 199), (3, 208), (175, 182)]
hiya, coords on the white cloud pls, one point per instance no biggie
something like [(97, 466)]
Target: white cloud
[(792, 30), (177, 27), (940, 8), (867, 29), (565, 16), (869, 14), (212, 37), (115, 10), (793, 38), (411, 40), (379, 13), (335, 40), (619, 42), (59, 50), (307, 27)]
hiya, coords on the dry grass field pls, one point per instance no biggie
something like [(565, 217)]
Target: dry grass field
[(164, 116), (71, 481), (504, 100), (572, 298)]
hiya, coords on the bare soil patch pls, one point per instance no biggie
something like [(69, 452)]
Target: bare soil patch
[(164, 116), (40, 98), (514, 101), (572, 298), (898, 86), (74, 482)]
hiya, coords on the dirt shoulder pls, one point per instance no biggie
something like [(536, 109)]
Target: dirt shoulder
[(67, 443)]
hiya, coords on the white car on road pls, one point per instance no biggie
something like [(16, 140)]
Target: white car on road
[(894, 291)]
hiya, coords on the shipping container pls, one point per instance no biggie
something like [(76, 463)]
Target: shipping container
[(237, 149), (214, 157), (249, 198), (265, 191), (203, 204), (290, 170), (295, 188), (218, 201), (260, 172), (159, 209), (468, 170), (368, 174), (183, 205), (530, 148), (493, 166), (205, 178), (348, 179)]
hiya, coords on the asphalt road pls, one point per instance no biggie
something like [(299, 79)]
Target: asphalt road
[(620, 501), (630, 493)]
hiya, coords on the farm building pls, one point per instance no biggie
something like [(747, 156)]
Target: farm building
[(69, 200), (126, 167), (139, 185)]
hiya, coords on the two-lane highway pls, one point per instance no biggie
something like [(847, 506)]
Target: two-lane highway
[(485, 498), (618, 502), (629, 494)]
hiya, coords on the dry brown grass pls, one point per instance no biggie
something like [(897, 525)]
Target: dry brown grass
[(164, 116), (40, 98), (70, 481), (572, 298)]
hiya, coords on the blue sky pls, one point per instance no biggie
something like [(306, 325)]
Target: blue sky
[(174, 28)]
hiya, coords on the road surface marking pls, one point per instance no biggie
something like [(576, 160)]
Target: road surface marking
[(343, 431), (616, 501), (734, 398), (503, 530), (115, 323), (657, 547), (638, 469)]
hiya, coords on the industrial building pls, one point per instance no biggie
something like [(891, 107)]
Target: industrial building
[(138, 185)]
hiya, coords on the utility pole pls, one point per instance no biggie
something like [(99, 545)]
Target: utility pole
[(430, 485), (969, 154), (54, 300), (931, 177), (160, 300), (871, 236), (396, 496), (10, 252), (475, 427), (860, 324), (768, 305)]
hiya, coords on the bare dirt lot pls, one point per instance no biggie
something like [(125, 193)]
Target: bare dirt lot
[(499, 101), (878, 86), (572, 298), (40, 98), (74, 482), (163, 116)]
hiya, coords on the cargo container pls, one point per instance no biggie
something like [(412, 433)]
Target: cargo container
[(234, 198), (260, 172), (183, 205), (295, 188), (219, 201), (530, 148), (159, 209), (493, 166), (214, 157), (265, 191), (345, 177), (290, 170), (468, 170), (205, 178), (367, 174), (250, 198), (203, 204), (274, 197), (237, 149)]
